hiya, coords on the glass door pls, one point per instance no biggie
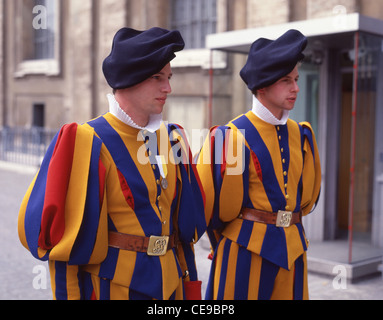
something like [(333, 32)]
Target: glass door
[(357, 145)]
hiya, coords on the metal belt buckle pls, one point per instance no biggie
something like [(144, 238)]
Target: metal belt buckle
[(284, 219), (158, 246)]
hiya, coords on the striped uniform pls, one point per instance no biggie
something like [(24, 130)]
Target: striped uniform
[(257, 165), (102, 176)]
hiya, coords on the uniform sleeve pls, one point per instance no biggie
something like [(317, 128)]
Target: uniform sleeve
[(63, 215), (221, 167), (190, 218), (312, 176)]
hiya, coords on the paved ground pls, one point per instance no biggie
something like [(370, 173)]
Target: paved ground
[(24, 278), (320, 287), (16, 263)]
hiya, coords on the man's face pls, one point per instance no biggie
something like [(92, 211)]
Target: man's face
[(281, 95), (148, 97)]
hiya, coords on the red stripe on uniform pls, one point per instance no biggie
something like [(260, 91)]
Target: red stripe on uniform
[(257, 165), (126, 190), (59, 171)]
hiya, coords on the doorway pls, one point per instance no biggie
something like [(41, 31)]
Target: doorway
[(356, 156), (38, 118)]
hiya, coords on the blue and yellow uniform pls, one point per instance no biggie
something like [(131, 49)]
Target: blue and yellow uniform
[(257, 165), (103, 177)]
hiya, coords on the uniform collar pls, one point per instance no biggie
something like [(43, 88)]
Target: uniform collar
[(115, 109), (264, 114)]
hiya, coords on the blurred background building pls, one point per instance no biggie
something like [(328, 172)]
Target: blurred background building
[(51, 52)]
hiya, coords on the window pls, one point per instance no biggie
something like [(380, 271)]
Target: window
[(194, 19), (44, 29), (38, 43), (307, 105)]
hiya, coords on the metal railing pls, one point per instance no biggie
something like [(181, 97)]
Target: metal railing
[(25, 146)]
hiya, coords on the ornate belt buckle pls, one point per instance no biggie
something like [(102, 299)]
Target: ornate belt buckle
[(158, 246), (284, 219)]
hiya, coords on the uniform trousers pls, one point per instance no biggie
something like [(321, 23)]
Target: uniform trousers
[(239, 274), (87, 286)]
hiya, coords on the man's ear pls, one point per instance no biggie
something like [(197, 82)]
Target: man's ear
[(262, 90)]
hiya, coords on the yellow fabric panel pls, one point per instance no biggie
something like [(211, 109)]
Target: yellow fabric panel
[(295, 165), (73, 288), (21, 217), (101, 250), (232, 229), (257, 188), (204, 167), (312, 174), (77, 189), (230, 281), (231, 195), (169, 269), (295, 248), (256, 238), (231, 198), (125, 267), (52, 272)]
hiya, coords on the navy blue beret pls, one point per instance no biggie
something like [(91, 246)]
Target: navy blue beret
[(269, 60), (137, 55)]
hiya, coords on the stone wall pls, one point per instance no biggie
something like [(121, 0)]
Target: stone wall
[(263, 13), (87, 30), (324, 8)]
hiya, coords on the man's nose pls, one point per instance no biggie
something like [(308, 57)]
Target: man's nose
[(167, 88), (296, 87)]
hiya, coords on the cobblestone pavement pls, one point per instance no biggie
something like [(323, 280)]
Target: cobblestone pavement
[(24, 278)]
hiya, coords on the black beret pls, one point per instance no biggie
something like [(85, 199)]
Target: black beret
[(269, 60), (137, 55)]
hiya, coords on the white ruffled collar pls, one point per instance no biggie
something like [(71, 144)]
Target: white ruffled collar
[(264, 114), (115, 109)]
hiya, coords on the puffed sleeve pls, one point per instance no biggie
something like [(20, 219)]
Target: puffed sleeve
[(63, 214), (191, 221), (190, 217), (221, 177), (312, 175)]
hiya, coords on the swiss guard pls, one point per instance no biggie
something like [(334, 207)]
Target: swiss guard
[(117, 206), (262, 171)]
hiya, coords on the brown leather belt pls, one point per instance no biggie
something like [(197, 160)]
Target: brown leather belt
[(153, 246), (281, 218)]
